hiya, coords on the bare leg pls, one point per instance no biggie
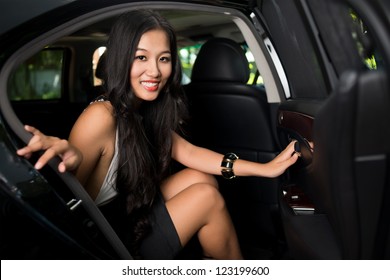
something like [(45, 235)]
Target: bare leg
[(196, 206), (183, 179)]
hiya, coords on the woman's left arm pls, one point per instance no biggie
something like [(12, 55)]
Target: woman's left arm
[(210, 162)]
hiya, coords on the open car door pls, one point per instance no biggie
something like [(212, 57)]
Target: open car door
[(334, 202)]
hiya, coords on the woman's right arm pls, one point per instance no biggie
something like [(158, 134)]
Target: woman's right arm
[(93, 134), (87, 142), (53, 146)]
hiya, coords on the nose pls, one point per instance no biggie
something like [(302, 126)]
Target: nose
[(153, 69)]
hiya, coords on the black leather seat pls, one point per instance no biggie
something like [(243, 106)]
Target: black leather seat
[(349, 182), (228, 115)]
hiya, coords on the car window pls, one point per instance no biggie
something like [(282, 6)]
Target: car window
[(38, 78), (255, 77), (365, 46), (95, 60), (188, 56)]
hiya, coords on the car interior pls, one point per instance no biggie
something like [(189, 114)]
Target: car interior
[(213, 94), (332, 204)]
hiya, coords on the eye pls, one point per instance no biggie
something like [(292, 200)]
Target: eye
[(165, 59), (140, 57)]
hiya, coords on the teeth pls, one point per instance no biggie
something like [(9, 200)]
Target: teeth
[(149, 84)]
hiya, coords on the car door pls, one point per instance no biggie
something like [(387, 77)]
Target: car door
[(334, 56)]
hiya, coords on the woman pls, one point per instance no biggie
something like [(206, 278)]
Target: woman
[(121, 149)]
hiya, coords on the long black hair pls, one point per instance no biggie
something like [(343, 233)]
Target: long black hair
[(144, 131)]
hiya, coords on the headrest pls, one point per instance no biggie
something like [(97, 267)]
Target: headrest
[(100, 67), (221, 59)]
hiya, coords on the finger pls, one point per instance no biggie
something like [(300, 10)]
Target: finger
[(72, 158), (44, 159), (290, 148), (292, 144), (31, 129), (37, 135), (62, 167), (24, 153), (294, 148), (294, 158), (287, 152), (43, 142), (288, 162), (59, 147), (71, 163), (34, 145)]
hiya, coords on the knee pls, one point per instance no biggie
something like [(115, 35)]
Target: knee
[(209, 196), (202, 178)]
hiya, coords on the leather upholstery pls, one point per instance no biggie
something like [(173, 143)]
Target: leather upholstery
[(228, 115), (222, 60), (225, 111)]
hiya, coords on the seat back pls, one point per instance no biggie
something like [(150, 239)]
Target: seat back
[(228, 115), (226, 112), (351, 161), (350, 185)]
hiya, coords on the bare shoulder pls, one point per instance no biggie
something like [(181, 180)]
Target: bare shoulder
[(101, 109), (97, 122), (99, 114)]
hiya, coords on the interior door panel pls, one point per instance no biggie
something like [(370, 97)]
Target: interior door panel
[(295, 123), (333, 202)]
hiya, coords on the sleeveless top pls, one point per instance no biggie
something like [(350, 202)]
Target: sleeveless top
[(108, 191)]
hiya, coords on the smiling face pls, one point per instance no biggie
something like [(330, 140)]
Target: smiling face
[(152, 65)]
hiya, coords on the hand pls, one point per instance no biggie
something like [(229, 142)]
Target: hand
[(284, 160), (53, 146)]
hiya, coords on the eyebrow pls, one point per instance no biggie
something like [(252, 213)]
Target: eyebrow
[(145, 50)]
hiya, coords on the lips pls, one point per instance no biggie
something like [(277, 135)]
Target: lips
[(150, 85)]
